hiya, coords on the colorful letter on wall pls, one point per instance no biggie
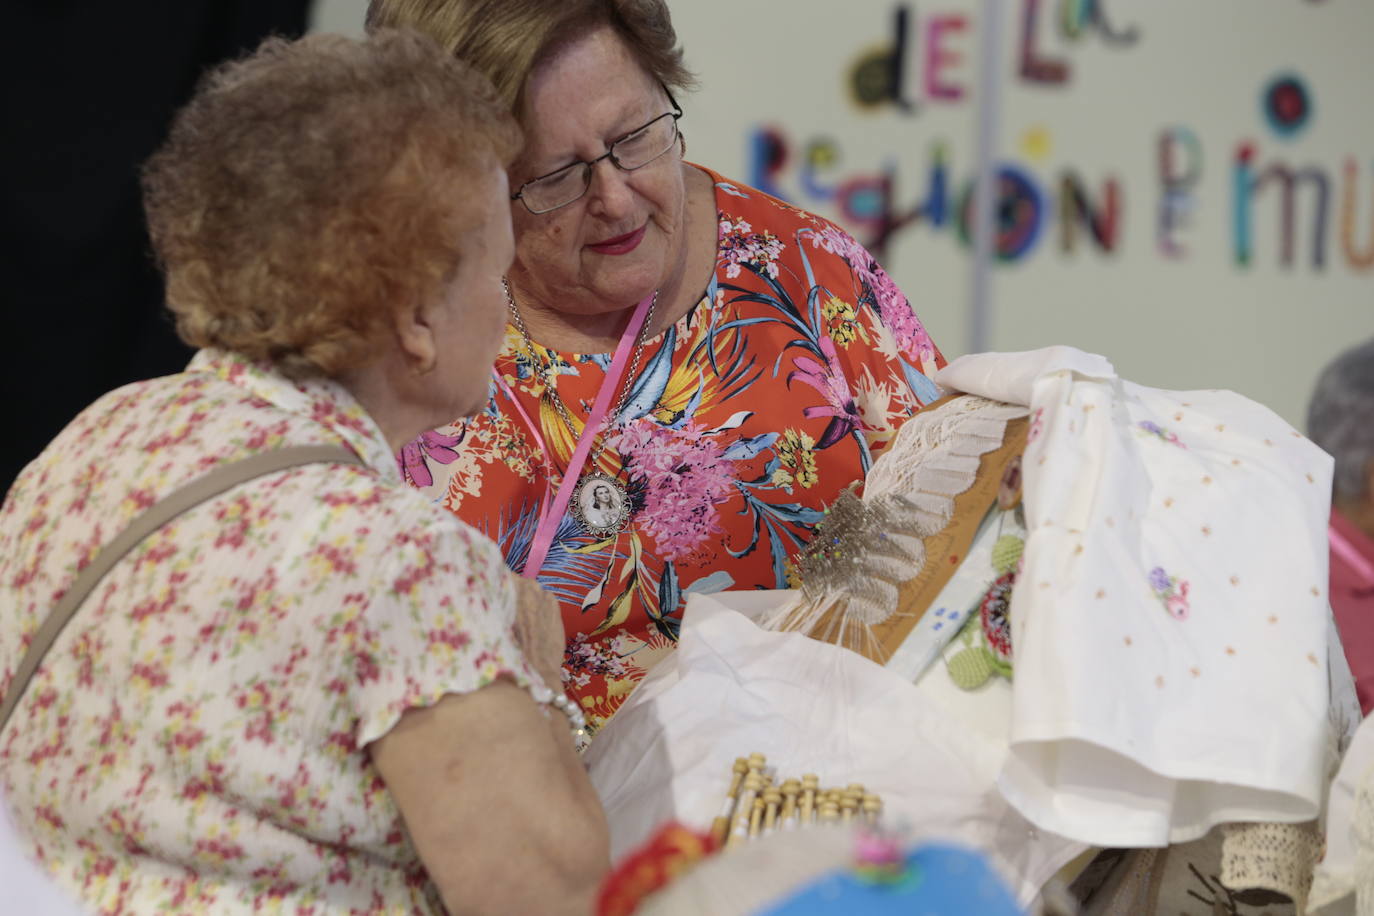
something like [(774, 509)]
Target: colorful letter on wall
[(767, 157), (1246, 183), (1019, 214), (1361, 260), (879, 75), (1076, 209), (938, 57), (1180, 167), (1034, 68)]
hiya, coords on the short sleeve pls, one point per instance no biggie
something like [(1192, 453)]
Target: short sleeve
[(441, 622)]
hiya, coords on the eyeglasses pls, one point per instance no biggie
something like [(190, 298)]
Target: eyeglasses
[(633, 151)]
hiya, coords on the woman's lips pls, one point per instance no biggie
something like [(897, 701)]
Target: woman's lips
[(621, 244)]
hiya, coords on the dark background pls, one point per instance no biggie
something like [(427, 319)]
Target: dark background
[(89, 89)]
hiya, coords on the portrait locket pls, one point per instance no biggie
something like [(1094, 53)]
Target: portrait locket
[(601, 504)]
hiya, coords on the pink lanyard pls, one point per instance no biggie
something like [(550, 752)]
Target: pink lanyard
[(550, 517), (1347, 552)]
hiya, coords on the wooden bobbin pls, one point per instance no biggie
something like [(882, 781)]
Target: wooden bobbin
[(849, 806), (756, 818), (720, 827), (830, 814), (772, 798), (791, 789), (737, 774), (872, 808), (739, 829), (809, 784)]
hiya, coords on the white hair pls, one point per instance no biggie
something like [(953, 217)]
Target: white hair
[(1340, 419)]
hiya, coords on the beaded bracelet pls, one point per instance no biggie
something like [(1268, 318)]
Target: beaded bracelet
[(545, 697)]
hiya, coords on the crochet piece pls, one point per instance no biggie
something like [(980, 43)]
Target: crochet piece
[(1278, 858)]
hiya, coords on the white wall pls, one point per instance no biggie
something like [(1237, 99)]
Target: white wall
[(1189, 321)]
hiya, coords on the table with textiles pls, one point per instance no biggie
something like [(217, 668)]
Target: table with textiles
[(1094, 619)]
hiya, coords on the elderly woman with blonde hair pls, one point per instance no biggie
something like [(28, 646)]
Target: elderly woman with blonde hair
[(280, 679), (722, 362)]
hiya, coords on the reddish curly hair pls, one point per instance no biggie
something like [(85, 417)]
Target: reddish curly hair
[(311, 189)]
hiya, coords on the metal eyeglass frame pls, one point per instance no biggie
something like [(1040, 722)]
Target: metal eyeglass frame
[(588, 166)]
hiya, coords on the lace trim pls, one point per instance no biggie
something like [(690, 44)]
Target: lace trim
[(865, 549), (1271, 857)]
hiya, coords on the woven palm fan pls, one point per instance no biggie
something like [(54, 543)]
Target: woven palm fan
[(877, 562)]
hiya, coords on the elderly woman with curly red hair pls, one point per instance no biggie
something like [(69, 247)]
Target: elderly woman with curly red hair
[(308, 690)]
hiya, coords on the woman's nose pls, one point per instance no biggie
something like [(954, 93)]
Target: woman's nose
[(610, 194)]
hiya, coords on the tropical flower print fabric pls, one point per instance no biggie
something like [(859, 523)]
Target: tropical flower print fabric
[(745, 419), (196, 740)]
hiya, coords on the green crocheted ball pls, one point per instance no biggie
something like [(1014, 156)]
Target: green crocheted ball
[(1006, 552)]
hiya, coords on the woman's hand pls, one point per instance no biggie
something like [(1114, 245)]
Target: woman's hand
[(539, 630)]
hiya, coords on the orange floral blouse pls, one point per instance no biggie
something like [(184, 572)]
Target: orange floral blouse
[(744, 420)]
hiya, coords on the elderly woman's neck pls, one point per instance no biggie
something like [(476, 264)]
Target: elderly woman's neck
[(601, 333), (400, 416)]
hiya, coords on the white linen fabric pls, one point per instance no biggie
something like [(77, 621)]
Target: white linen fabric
[(1344, 881), (733, 689), (1010, 377), (1170, 620)]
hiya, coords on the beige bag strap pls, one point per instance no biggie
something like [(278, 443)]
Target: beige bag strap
[(154, 517)]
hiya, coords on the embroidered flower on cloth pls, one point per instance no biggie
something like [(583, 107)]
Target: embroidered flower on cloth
[(1154, 429), (1171, 591), (994, 614), (987, 638)]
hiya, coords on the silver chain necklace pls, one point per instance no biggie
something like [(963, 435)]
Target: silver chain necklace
[(600, 502)]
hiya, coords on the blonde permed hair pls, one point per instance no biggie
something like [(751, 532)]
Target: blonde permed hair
[(506, 39), (310, 190)]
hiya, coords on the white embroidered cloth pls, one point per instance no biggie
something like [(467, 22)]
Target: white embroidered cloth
[(732, 689), (1345, 878), (1169, 623)]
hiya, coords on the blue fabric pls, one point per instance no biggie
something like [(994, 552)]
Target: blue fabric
[(940, 881)]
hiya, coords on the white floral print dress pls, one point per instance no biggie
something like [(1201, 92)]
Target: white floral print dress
[(196, 739)]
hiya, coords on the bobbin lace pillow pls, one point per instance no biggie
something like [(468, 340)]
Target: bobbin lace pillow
[(866, 550)]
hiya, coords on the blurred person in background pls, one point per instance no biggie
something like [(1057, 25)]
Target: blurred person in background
[(1340, 419)]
